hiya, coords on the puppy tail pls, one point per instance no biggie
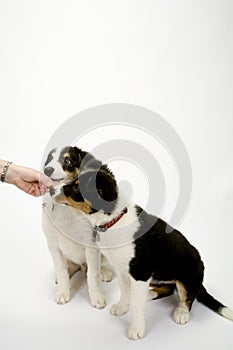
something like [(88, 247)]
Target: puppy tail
[(205, 298)]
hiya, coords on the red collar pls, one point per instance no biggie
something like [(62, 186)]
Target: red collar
[(105, 227)]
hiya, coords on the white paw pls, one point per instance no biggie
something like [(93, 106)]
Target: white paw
[(181, 315), (98, 301), (118, 309), (63, 297), (136, 332), (106, 274)]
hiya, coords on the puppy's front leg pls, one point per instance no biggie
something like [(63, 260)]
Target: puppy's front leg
[(93, 278), (123, 304), (62, 274), (138, 301)]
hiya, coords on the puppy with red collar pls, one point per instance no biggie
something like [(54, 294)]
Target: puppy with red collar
[(150, 261)]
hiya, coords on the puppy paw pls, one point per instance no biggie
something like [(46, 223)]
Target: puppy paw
[(136, 332), (181, 315), (106, 274), (98, 302), (62, 297), (118, 309)]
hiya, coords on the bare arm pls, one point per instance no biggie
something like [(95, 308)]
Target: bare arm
[(26, 179)]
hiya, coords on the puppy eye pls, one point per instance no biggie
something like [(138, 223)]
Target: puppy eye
[(68, 162)]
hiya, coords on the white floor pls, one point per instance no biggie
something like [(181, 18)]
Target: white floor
[(30, 319)]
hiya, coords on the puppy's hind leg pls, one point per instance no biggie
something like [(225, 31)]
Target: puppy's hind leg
[(72, 268), (160, 291), (181, 314)]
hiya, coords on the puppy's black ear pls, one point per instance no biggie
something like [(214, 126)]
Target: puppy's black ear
[(100, 182), (106, 186), (77, 154), (99, 187)]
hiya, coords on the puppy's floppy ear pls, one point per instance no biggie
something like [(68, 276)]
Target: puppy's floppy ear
[(98, 185), (106, 186), (99, 188), (85, 159), (78, 153)]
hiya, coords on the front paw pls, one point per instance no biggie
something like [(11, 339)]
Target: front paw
[(136, 332), (63, 297), (118, 309), (98, 301)]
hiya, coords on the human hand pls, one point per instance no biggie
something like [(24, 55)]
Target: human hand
[(28, 180)]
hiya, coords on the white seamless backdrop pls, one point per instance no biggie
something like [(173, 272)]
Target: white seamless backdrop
[(60, 57)]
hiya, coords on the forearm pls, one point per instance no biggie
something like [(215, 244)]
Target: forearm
[(16, 172), (26, 179), (8, 177)]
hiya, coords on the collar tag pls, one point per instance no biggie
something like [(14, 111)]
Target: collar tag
[(96, 235), (105, 227)]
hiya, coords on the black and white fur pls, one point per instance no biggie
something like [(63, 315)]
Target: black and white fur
[(149, 262), (61, 224)]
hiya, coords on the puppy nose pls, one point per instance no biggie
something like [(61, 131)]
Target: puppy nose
[(48, 170), (52, 192)]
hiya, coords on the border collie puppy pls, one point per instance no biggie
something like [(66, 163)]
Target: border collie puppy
[(150, 261), (64, 228)]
